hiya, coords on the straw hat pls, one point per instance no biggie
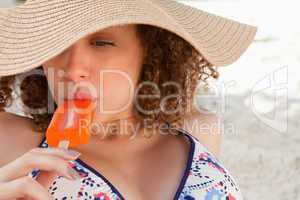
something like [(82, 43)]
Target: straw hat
[(33, 32)]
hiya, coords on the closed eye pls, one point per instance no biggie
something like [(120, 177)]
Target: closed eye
[(102, 43)]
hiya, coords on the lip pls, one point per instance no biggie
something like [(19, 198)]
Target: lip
[(82, 95)]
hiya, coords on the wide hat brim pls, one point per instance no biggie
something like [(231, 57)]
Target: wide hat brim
[(38, 30)]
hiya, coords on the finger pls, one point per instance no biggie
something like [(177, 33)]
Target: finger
[(24, 187), (46, 178), (55, 164), (60, 152), (22, 167)]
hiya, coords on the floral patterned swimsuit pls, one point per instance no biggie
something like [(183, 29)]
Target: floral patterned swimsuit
[(204, 179)]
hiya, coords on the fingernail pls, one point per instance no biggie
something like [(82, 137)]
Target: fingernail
[(73, 153), (74, 174)]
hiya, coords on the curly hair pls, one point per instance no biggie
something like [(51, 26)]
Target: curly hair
[(168, 58)]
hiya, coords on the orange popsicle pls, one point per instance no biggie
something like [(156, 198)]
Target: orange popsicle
[(69, 126)]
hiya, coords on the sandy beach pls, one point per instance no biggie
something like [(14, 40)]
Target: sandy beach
[(263, 103)]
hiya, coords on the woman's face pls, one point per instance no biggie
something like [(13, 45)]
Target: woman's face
[(104, 65)]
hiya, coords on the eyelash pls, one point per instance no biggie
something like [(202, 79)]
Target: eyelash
[(102, 42)]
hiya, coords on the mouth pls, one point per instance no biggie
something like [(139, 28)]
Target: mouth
[(82, 95)]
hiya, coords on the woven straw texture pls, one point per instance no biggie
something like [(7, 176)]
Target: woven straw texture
[(38, 30)]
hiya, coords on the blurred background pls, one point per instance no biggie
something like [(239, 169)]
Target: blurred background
[(261, 145), (260, 106)]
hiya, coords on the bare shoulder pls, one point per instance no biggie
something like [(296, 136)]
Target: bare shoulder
[(16, 137), (206, 128)]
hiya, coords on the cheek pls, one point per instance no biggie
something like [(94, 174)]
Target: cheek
[(117, 91), (56, 87), (117, 82), (51, 80), (55, 90)]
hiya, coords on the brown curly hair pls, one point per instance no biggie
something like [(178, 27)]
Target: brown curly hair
[(168, 58)]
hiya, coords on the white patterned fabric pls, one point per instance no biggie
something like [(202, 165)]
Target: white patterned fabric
[(204, 179)]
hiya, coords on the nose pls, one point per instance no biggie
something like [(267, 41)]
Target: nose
[(75, 76), (77, 63)]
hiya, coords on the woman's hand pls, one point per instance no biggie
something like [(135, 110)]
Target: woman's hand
[(14, 179)]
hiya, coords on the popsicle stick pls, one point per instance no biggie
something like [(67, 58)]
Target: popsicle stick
[(64, 144)]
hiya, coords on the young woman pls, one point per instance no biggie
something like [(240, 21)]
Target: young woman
[(141, 76)]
